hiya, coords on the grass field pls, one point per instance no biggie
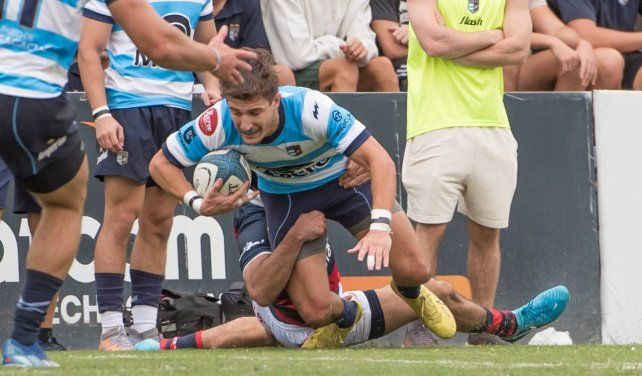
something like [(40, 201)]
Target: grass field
[(446, 360)]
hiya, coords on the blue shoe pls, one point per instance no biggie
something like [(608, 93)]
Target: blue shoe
[(17, 355), (542, 310), (147, 345)]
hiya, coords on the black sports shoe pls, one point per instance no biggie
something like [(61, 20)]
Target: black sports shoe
[(51, 344)]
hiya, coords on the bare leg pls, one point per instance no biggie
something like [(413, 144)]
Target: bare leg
[(378, 75), (430, 237), (55, 243), (150, 246), (338, 75), (310, 292), (483, 263), (123, 202), (242, 332), (610, 69), (285, 75)]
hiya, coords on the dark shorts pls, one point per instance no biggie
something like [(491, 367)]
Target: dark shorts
[(145, 129), (40, 141), (309, 76), (23, 202), (5, 179), (349, 207), (632, 64)]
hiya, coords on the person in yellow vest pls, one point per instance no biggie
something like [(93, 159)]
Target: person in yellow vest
[(460, 150)]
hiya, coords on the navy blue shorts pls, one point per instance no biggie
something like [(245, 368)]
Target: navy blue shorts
[(349, 207), (5, 179), (145, 129), (23, 201), (40, 141)]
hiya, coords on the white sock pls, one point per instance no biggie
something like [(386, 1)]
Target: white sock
[(111, 319), (144, 317)]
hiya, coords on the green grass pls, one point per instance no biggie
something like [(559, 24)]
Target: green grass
[(504, 360)]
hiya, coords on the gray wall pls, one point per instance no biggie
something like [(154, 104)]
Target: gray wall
[(552, 238)]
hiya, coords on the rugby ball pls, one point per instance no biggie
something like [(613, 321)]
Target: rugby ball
[(228, 165)]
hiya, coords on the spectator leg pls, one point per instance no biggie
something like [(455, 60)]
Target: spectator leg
[(285, 75), (338, 75), (378, 75), (610, 64)]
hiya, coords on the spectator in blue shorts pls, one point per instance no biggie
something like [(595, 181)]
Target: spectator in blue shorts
[(607, 23), (245, 29)]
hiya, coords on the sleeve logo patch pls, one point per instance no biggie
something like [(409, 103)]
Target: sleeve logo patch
[(208, 121)]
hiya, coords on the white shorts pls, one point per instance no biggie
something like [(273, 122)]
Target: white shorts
[(473, 166), (289, 335)]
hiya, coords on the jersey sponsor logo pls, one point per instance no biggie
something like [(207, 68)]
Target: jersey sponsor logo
[(298, 171), (336, 116), (470, 22), (187, 136), (208, 121), (345, 122), (315, 112), (180, 22), (294, 150), (473, 6)]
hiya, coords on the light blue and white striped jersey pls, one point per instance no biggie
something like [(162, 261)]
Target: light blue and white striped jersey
[(132, 79), (309, 149), (38, 40)]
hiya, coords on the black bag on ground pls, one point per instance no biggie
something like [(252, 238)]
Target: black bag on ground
[(181, 313), (236, 302)]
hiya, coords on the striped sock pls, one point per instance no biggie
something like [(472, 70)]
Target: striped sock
[(500, 322), (191, 341), (38, 290)]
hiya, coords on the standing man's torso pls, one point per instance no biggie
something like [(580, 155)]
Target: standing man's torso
[(443, 94)]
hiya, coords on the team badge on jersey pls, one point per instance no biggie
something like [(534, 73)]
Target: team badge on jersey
[(473, 6), (294, 150), (208, 121), (234, 31)]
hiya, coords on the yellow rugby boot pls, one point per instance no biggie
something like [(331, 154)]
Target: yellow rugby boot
[(432, 311), (331, 336)]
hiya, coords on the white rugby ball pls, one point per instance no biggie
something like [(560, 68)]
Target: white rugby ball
[(226, 164)]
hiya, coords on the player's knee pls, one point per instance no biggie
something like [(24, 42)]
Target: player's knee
[(444, 291), (316, 314)]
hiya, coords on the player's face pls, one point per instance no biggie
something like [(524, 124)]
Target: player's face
[(256, 118)]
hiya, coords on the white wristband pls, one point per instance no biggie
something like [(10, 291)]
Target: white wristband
[(193, 200), (102, 116), (98, 109), (196, 205), (380, 227), (380, 213), (218, 59)]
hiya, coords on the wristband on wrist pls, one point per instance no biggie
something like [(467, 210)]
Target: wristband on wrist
[(218, 59), (381, 220), (380, 213), (193, 200), (100, 112), (381, 227)]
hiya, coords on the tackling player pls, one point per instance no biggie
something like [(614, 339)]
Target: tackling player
[(298, 141), (266, 273), (40, 141)]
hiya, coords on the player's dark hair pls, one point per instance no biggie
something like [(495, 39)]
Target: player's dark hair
[(262, 80)]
